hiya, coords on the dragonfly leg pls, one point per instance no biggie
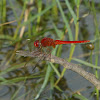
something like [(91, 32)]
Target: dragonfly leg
[(38, 62)]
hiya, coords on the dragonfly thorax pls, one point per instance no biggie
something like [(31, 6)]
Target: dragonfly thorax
[(37, 43)]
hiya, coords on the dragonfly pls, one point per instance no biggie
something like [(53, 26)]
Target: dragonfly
[(47, 42)]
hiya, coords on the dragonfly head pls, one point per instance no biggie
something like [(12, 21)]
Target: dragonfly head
[(37, 43)]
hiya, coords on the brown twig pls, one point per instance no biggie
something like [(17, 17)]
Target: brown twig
[(27, 11), (76, 68), (8, 23)]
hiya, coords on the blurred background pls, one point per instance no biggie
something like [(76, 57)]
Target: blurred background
[(24, 21)]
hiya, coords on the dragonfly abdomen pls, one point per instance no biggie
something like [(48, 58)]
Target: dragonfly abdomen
[(69, 42)]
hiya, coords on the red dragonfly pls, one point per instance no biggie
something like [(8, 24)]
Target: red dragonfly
[(45, 42)]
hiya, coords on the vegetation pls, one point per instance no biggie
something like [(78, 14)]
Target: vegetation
[(24, 21)]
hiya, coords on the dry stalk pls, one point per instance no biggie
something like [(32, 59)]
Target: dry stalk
[(74, 67)]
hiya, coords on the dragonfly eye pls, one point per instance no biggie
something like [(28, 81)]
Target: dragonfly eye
[(36, 43)]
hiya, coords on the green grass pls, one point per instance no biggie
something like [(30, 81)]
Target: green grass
[(36, 21)]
